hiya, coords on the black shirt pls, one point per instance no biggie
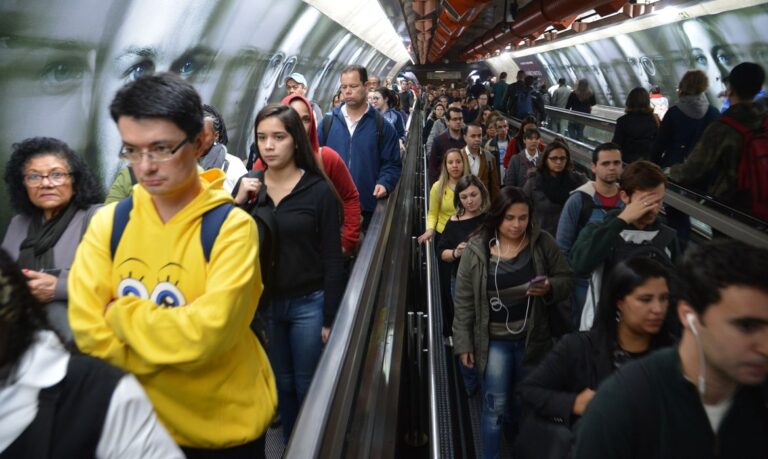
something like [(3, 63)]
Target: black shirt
[(509, 281), (456, 232), (309, 244)]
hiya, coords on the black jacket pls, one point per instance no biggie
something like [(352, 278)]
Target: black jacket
[(309, 250), (578, 361), (636, 134)]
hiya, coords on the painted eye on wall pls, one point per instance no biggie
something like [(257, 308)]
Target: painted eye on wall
[(168, 295), (63, 74), (132, 287), (145, 67)]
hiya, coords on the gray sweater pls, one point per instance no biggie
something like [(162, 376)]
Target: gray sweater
[(63, 251)]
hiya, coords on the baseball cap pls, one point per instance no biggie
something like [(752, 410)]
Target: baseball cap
[(298, 78)]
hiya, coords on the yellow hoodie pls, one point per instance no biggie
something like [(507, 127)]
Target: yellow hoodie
[(204, 370)]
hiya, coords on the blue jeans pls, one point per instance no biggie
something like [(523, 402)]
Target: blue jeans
[(502, 373), (294, 326)]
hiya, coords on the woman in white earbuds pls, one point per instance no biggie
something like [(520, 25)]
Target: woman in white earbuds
[(510, 276)]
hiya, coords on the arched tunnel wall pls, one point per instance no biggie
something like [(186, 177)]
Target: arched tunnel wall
[(657, 56), (63, 61)]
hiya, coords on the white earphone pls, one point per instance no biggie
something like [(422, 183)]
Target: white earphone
[(691, 319), (496, 303)]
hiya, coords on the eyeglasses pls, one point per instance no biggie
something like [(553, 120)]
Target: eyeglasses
[(557, 159), (155, 153), (55, 178)]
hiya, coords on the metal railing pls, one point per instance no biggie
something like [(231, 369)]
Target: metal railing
[(704, 209)]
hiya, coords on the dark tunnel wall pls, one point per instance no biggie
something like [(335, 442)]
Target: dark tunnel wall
[(62, 62), (660, 55)]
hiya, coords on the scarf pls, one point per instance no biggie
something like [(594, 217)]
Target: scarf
[(214, 158), (36, 251), (557, 188)]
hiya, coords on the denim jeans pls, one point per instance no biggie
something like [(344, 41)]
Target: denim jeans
[(294, 326), (502, 373)]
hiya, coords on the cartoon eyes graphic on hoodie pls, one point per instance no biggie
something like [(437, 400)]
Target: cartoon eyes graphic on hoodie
[(165, 293)]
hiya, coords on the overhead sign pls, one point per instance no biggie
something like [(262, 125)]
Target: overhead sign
[(444, 75)]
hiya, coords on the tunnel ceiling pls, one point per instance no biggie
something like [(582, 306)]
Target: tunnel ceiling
[(459, 31)]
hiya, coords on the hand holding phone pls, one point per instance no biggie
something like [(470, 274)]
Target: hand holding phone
[(537, 280)]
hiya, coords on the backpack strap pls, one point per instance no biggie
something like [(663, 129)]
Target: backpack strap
[(664, 238), (209, 229), (327, 121), (134, 180), (379, 128), (740, 128), (119, 222)]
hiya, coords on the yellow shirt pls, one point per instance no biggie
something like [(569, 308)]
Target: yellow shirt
[(437, 219), (204, 370)]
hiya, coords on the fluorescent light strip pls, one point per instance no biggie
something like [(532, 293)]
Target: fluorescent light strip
[(366, 20), (662, 16)]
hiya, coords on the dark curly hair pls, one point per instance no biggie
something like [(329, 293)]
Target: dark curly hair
[(86, 189), (20, 316)]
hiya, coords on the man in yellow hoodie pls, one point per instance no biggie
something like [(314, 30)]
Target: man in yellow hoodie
[(150, 295)]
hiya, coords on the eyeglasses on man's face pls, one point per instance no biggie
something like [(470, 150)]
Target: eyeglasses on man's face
[(55, 178), (155, 153)]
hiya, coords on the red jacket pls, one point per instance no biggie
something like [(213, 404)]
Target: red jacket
[(337, 172)]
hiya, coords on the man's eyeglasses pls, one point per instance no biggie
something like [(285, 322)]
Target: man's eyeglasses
[(155, 153), (55, 178)]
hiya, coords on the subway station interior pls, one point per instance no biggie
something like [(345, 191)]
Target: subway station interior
[(388, 383)]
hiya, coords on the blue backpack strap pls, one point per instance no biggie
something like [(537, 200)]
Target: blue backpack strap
[(209, 230), (119, 222)]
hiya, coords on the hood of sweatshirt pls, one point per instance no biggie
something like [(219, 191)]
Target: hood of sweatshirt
[(212, 195), (694, 106)]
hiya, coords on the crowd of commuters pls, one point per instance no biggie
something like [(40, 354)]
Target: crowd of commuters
[(599, 256), (192, 240)]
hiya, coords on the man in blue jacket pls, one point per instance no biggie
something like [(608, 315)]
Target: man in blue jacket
[(368, 146)]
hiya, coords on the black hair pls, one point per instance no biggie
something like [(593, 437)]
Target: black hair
[(709, 268), (86, 189), (543, 167), (163, 95), (388, 95), (624, 278), (508, 196), (454, 110), (303, 156), (561, 81), (218, 122), (603, 147), (746, 79), (21, 315), (361, 71), (502, 75), (530, 133)]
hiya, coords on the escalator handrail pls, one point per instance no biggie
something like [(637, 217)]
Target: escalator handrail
[(581, 153), (312, 422)]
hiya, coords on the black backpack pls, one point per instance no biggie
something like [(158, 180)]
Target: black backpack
[(587, 206), (328, 121), (655, 249)]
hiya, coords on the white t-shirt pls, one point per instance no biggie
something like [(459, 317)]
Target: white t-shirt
[(131, 428)]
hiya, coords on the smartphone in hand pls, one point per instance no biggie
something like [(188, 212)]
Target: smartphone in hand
[(536, 281)]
